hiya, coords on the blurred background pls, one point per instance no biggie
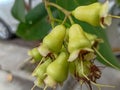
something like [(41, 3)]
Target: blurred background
[(14, 71)]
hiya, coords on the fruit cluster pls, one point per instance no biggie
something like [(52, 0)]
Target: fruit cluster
[(70, 50), (65, 51)]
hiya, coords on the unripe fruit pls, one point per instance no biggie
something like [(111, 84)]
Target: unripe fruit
[(43, 50), (49, 81), (58, 69), (41, 69), (35, 54), (54, 39), (95, 14), (89, 13), (77, 39)]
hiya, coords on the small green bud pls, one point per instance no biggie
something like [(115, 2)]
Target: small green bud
[(41, 69), (35, 54)]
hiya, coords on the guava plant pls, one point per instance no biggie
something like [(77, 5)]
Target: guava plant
[(75, 40)]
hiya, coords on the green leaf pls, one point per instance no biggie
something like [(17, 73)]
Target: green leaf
[(72, 4), (37, 23), (118, 2), (18, 10), (35, 31), (36, 13)]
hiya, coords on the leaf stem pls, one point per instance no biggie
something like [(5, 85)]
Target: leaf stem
[(64, 20), (45, 87), (71, 20), (113, 16), (66, 12), (33, 87), (60, 21), (49, 13)]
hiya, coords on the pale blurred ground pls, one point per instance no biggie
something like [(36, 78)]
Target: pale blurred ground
[(11, 56)]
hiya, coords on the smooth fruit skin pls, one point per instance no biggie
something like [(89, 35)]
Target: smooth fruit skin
[(35, 54), (77, 38), (89, 13), (58, 69), (54, 39)]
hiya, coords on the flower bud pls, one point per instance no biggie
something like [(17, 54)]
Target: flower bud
[(35, 54)]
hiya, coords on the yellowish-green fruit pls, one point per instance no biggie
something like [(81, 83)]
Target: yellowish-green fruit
[(58, 69), (41, 69), (54, 39), (72, 68), (35, 54), (43, 50), (77, 39), (89, 13)]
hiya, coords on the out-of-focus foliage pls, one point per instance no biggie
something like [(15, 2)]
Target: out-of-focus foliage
[(18, 10), (118, 2)]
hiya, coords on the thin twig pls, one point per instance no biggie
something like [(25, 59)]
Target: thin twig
[(25, 61), (105, 59), (33, 87)]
